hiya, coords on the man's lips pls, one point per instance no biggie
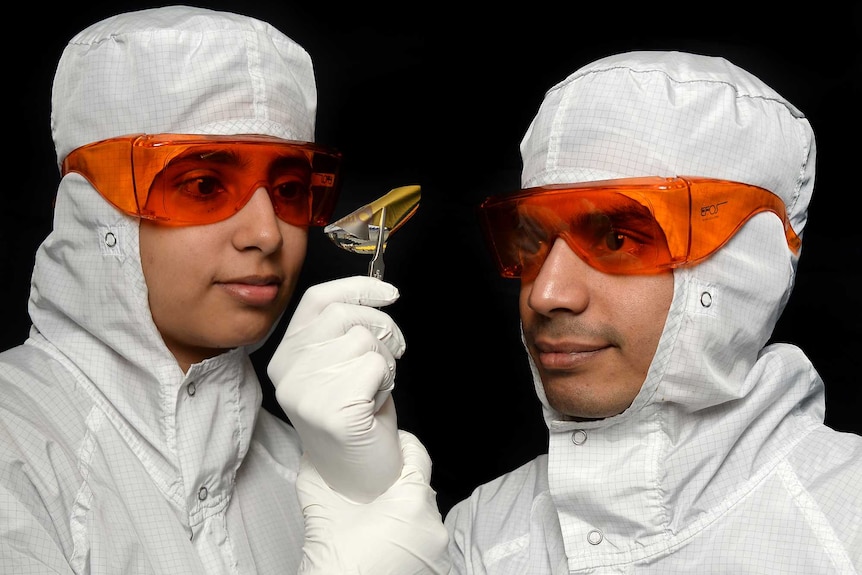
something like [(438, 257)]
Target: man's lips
[(255, 291), (567, 355)]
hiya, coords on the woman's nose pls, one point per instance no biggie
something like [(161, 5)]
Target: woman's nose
[(259, 226)]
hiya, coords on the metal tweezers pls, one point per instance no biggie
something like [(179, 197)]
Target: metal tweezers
[(376, 266)]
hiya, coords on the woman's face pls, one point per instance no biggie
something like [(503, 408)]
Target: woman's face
[(217, 286)]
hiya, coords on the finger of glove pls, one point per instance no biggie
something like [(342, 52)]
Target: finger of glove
[(357, 451), (379, 537), (358, 290), (311, 489), (309, 375), (338, 397), (370, 461), (416, 458), (333, 322), (360, 457), (338, 318), (344, 537)]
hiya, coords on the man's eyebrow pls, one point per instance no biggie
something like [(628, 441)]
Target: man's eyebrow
[(628, 214)]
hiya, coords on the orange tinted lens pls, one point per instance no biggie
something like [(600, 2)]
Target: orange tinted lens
[(628, 226), (210, 181), (201, 183), (190, 180), (609, 231)]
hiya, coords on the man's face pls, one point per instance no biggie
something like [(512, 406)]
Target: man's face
[(217, 286), (591, 334)]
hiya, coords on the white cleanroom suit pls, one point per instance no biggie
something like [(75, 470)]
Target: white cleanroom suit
[(112, 458), (722, 463)]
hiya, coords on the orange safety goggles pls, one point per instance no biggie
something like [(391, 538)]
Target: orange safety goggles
[(626, 226), (187, 180)]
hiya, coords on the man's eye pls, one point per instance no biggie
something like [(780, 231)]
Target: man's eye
[(531, 236), (616, 244), (615, 240)]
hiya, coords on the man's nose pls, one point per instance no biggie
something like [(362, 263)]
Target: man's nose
[(562, 281)]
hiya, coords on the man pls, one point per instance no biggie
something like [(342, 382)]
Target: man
[(656, 239), (131, 435)]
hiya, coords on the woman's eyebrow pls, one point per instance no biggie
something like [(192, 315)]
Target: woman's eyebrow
[(240, 159), (216, 155), (290, 161)]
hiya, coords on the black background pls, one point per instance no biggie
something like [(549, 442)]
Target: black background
[(439, 94)]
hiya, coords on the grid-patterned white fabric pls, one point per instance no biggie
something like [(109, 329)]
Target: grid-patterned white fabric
[(112, 460), (722, 463), (183, 71)]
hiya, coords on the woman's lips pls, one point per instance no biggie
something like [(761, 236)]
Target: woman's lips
[(255, 291)]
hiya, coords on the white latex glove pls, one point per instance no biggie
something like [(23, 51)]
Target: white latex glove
[(399, 533), (333, 372)]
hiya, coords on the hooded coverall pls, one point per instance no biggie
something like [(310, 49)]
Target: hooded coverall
[(722, 463), (112, 460)]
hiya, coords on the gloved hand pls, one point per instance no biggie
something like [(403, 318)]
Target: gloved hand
[(399, 533), (333, 372)]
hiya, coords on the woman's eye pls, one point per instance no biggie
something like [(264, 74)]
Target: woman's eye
[(291, 191), (202, 187)]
